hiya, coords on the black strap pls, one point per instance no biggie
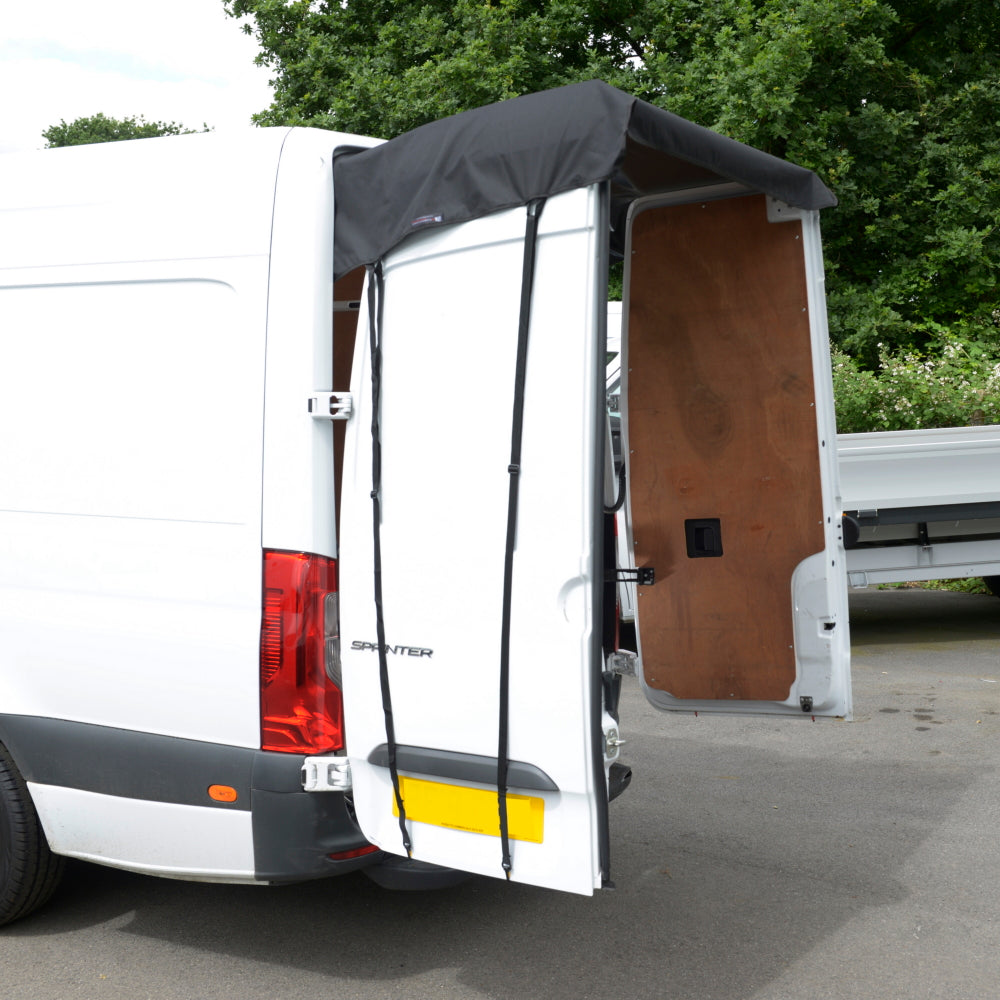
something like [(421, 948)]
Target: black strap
[(376, 281), (514, 470), (621, 493)]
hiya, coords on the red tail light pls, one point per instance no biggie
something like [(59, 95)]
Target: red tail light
[(301, 708)]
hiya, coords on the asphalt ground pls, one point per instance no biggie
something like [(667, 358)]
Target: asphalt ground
[(757, 859)]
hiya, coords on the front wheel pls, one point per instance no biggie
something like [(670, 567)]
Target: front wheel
[(29, 871), (993, 582)]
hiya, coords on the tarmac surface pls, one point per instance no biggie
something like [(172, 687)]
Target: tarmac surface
[(754, 860)]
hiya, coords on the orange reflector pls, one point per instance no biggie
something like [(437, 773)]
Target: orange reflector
[(222, 793)]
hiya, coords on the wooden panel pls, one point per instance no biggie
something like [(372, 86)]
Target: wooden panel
[(722, 425), (345, 328)]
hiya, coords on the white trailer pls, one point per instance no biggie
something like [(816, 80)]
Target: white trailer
[(921, 504), (278, 601)]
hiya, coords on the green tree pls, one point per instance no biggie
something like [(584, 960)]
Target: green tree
[(894, 103), (383, 67), (101, 128)]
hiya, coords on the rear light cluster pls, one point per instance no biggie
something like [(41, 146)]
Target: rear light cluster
[(301, 707)]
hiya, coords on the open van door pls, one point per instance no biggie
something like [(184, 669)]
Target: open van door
[(732, 458), (488, 550), (474, 585)]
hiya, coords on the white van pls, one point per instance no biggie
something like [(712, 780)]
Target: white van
[(201, 462)]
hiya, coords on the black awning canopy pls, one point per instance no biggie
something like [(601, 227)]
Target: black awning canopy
[(507, 154)]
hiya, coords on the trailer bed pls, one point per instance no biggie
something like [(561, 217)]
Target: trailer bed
[(921, 505)]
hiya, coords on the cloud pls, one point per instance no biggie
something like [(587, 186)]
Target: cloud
[(129, 64), (63, 60)]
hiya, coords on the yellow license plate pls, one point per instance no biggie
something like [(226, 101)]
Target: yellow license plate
[(474, 810)]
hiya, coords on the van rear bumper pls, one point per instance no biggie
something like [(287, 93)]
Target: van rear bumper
[(300, 835), (124, 776)]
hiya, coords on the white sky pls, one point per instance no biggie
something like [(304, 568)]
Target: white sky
[(181, 61)]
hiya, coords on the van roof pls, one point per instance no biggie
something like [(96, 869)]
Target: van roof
[(507, 154)]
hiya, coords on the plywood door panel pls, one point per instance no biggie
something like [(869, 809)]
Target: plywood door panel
[(345, 327), (722, 426)]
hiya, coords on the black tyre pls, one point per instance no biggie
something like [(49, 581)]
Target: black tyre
[(993, 582), (29, 871)]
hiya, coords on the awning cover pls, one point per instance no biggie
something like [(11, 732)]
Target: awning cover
[(506, 154)]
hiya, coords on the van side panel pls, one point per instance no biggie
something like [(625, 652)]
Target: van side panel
[(173, 198), (134, 286), (133, 282), (131, 395), (156, 838)]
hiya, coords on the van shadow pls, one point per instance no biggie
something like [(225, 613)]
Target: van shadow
[(723, 882), (912, 615)]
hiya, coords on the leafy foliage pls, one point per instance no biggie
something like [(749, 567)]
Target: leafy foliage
[(962, 585), (379, 67), (957, 386), (894, 103), (101, 128)]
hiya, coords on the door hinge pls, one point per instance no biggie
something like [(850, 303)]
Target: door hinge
[(331, 405), (622, 661), (326, 774), (780, 211)]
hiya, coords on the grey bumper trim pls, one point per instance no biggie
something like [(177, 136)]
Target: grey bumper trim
[(463, 767)]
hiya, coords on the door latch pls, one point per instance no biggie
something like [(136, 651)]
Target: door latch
[(331, 405), (644, 576), (612, 741)]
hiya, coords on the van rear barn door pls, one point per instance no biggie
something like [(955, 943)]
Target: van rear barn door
[(732, 477), (449, 344)]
